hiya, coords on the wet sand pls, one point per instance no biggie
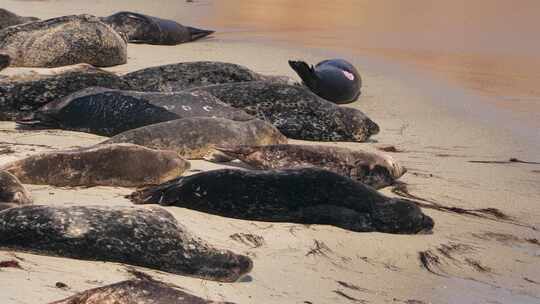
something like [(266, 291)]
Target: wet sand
[(440, 129)]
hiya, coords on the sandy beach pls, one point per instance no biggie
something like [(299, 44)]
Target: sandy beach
[(442, 129)]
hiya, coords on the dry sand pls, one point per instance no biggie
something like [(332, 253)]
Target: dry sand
[(493, 262)]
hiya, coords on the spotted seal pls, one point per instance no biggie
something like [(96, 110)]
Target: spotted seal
[(12, 192), (8, 18), (376, 170), (307, 196), (141, 28), (295, 111), (140, 291), (195, 138), (109, 112), (21, 95), (63, 41), (124, 165), (186, 75), (335, 80), (149, 238)]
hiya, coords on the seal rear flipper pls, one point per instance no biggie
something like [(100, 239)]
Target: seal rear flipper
[(306, 73), (196, 33), (5, 60)]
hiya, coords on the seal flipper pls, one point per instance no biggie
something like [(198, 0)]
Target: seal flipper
[(196, 33), (306, 72), (37, 121), (5, 60)]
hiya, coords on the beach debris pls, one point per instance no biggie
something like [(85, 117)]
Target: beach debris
[(389, 148), (251, 240), (10, 264), (348, 297), (61, 285), (509, 161), (319, 248)]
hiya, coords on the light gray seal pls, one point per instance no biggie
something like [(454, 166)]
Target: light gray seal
[(143, 237), (63, 41)]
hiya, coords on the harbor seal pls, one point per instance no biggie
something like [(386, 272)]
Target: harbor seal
[(139, 291), (149, 238), (5, 60), (196, 138), (21, 95), (141, 28), (183, 76), (124, 165), (295, 111), (63, 41), (306, 196), (335, 80), (109, 112), (375, 170), (8, 18), (12, 192)]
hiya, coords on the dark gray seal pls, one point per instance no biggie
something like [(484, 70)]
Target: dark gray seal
[(124, 165), (375, 170), (141, 28), (8, 18), (12, 192), (5, 60), (335, 80), (109, 112), (182, 76), (136, 291), (63, 41), (307, 196), (196, 138), (149, 238), (296, 111), (19, 96)]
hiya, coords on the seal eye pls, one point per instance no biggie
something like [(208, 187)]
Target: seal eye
[(349, 76)]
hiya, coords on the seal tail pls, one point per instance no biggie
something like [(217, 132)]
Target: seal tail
[(306, 72), (237, 152), (198, 33)]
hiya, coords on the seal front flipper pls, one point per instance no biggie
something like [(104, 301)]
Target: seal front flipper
[(37, 120), (306, 73), (196, 33)]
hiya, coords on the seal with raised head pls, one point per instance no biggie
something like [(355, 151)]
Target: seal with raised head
[(136, 291), (306, 196), (295, 111), (196, 138), (124, 165), (12, 192), (21, 95), (109, 112), (335, 80), (187, 75), (144, 237), (63, 41), (375, 170), (8, 18), (141, 28)]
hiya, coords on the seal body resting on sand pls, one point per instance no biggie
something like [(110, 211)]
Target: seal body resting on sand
[(149, 238), (12, 192), (307, 196), (376, 170), (136, 291), (335, 80), (295, 111), (21, 95), (109, 112), (196, 138), (124, 165), (63, 41), (182, 76), (141, 28), (8, 18)]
